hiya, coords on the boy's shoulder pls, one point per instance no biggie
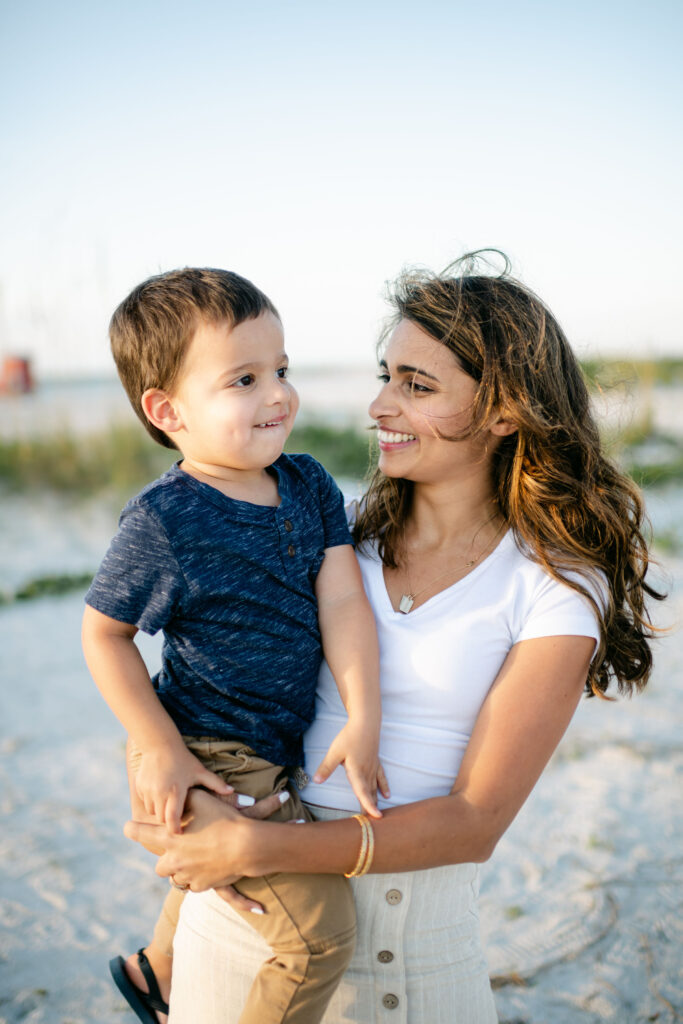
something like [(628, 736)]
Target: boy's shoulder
[(301, 464), (157, 494), (305, 473)]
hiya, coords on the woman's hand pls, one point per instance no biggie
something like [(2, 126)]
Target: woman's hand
[(206, 854)]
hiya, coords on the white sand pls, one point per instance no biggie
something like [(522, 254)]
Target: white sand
[(581, 903)]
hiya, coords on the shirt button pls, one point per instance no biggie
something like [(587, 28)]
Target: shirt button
[(291, 551), (288, 526), (385, 956), (394, 896), (390, 1001)]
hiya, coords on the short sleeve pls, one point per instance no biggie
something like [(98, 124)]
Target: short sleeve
[(558, 610), (331, 499), (139, 581)]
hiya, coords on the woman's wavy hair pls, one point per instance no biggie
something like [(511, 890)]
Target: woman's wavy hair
[(569, 507)]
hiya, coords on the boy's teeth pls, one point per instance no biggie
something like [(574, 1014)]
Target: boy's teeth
[(390, 437)]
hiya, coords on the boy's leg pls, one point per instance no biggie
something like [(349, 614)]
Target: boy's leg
[(160, 950), (309, 920), (310, 925)]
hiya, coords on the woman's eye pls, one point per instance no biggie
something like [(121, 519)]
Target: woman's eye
[(420, 389), (383, 377)]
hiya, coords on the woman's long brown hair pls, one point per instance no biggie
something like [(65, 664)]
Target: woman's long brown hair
[(569, 507)]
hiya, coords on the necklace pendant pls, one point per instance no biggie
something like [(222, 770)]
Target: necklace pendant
[(406, 603)]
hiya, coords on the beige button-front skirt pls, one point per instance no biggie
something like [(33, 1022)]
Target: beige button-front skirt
[(418, 957)]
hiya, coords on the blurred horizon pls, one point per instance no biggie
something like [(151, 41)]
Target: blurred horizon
[(318, 150)]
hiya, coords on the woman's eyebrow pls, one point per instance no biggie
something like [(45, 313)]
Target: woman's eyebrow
[(404, 368)]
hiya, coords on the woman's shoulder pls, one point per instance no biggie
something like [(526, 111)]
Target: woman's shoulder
[(352, 507), (586, 576), (549, 603)]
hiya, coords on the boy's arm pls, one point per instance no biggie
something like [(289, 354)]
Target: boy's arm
[(349, 640), (168, 768)]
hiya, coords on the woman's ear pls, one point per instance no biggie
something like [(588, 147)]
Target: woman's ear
[(160, 410), (503, 427)]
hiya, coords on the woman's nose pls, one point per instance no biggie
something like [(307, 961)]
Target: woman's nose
[(383, 404)]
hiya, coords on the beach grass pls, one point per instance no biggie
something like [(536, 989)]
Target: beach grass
[(124, 458), (663, 371)]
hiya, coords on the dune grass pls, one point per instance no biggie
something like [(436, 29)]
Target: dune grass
[(662, 371), (125, 458)]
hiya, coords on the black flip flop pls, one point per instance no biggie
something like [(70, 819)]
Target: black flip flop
[(143, 1004)]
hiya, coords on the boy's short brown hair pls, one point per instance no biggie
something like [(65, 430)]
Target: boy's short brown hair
[(151, 329)]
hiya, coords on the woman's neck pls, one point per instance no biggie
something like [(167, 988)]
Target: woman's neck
[(442, 514)]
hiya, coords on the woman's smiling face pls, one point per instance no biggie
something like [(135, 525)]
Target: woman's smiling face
[(425, 398)]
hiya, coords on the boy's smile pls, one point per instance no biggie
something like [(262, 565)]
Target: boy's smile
[(233, 404)]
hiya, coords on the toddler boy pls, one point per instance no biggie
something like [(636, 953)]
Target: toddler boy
[(241, 555)]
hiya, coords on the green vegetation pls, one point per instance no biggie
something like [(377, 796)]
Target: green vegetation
[(48, 586), (125, 458), (121, 458), (513, 912), (609, 373), (343, 452)]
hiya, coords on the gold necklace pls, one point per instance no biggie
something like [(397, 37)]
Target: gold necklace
[(408, 600)]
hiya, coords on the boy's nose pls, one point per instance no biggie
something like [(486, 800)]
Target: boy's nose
[(280, 390)]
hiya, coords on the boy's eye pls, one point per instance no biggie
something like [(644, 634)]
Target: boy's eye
[(283, 372), (245, 381)]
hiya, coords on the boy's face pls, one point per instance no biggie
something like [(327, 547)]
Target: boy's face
[(234, 402)]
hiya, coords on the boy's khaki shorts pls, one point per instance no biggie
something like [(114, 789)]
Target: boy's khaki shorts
[(309, 920)]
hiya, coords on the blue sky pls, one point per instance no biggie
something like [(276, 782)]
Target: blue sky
[(318, 148)]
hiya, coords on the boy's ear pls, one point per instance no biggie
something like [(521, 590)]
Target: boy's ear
[(503, 427), (160, 410)]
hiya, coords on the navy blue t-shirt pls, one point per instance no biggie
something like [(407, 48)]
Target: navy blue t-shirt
[(231, 585)]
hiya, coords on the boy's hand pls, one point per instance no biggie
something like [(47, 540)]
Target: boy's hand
[(163, 778), (356, 749)]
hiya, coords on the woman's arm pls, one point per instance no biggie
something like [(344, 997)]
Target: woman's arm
[(519, 726)]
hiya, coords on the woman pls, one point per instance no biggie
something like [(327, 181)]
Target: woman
[(505, 564)]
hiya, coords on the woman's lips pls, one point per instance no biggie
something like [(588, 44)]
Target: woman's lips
[(391, 438)]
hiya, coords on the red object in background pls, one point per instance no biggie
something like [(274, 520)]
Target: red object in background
[(15, 376)]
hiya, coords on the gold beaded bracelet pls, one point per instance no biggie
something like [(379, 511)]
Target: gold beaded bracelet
[(367, 847)]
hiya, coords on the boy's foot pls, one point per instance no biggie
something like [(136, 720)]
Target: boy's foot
[(145, 989)]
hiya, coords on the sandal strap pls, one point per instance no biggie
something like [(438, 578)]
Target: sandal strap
[(154, 998)]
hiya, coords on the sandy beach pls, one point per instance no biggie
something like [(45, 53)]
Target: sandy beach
[(581, 903)]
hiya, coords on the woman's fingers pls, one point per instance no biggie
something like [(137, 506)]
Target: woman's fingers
[(264, 808), (153, 837), (167, 866), (236, 900)]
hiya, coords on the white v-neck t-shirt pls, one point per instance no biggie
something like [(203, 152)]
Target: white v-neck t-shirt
[(437, 664)]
